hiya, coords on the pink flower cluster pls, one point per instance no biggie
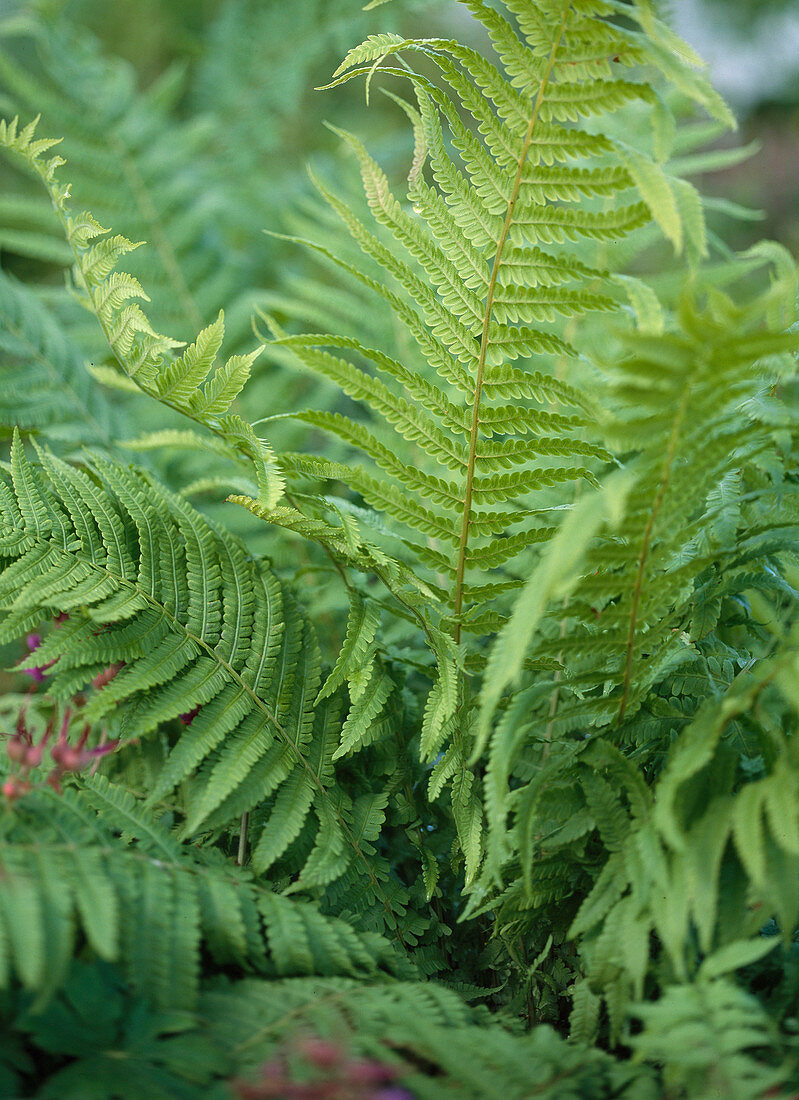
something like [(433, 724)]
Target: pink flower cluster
[(26, 755), (336, 1076)]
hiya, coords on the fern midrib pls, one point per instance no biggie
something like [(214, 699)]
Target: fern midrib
[(484, 339), (158, 237), (663, 484), (273, 718)]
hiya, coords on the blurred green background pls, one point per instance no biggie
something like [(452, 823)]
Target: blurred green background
[(256, 64), (190, 124)]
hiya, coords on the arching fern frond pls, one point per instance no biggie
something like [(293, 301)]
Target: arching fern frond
[(196, 624), (133, 163), (694, 405), (146, 902), (192, 384)]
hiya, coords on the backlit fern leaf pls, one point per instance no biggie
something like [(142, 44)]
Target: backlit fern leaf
[(130, 150), (192, 384), (701, 398), (695, 412)]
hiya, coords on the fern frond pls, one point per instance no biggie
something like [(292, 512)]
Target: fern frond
[(148, 903), (728, 1029), (492, 192), (193, 385), (195, 623), (432, 1027)]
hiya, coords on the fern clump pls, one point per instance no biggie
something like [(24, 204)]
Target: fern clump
[(484, 781)]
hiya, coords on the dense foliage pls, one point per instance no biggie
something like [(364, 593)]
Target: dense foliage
[(403, 698)]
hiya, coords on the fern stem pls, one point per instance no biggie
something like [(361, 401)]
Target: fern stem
[(489, 309), (642, 557), (242, 852)]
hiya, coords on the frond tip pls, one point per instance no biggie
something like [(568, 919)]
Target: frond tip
[(192, 384)]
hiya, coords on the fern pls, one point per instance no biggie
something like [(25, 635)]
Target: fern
[(725, 1028), (197, 624), (130, 163), (547, 565), (45, 386), (149, 903), (476, 272), (429, 1025), (680, 412), (507, 196)]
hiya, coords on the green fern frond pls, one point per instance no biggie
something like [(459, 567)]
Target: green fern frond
[(194, 623), (149, 904), (474, 272), (728, 1030), (192, 385), (432, 1027)]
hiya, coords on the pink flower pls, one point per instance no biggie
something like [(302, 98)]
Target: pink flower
[(37, 672), (25, 755), (71, 758)]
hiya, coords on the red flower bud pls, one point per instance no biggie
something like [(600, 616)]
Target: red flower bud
[(320, 1052), (33, 755), (16, 750), (58, 750), (15, 788), (71, 758)]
